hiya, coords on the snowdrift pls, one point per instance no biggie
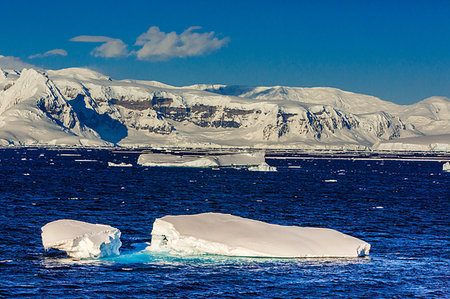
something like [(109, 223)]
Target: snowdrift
[(81, 239), (170, 160), (224, 234)]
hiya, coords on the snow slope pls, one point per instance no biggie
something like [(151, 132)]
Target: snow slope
[(224, 234), (78, 106)]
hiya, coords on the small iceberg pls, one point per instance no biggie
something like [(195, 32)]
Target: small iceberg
[(263, 167), (81, 239), (446, 167), (225, 234), (112, 164)]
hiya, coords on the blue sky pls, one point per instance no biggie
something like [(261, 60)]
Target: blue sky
[(395, 50)]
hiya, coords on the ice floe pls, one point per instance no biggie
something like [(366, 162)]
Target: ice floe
[(225, 234), (81, 239)]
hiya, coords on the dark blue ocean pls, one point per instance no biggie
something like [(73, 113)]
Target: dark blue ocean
[(400, 207)]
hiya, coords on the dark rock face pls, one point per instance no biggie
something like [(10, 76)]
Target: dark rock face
[(200, 115)]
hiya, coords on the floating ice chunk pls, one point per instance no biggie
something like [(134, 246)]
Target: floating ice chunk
[(241, 159), (169, 160), (112, 164), (224, 234), (229, 160), (263, 167), (446, 167), (81, 239)]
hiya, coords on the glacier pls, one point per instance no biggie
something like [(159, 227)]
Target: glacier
[(229, 235), (81, 240)]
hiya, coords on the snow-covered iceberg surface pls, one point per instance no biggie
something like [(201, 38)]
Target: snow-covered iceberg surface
[(81, 239), (224, 234), (229, 160), (446, 167)]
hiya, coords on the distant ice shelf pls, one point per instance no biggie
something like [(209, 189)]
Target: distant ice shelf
[(225, 234), (81, 239)]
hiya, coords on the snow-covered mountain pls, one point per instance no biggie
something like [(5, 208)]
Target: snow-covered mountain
[(81, 107)]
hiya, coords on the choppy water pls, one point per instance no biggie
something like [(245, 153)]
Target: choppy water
[(401, 208)]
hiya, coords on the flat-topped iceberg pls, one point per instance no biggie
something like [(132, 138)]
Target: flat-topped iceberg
[(224, 234), (228, 160), (81, 239)]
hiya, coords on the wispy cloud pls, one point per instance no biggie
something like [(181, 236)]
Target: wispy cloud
[(157, 45), (13, 63), (111, 47), (55, 52)]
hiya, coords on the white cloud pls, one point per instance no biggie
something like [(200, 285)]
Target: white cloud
[(91, 39), (13, 63), (111, 47), (54, 52), (157, 45)]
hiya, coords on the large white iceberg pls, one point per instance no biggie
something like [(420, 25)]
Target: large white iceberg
[(224, 234), (446, 167), (227, 160), (81, 239)]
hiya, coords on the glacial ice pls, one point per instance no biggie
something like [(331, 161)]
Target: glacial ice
[(225, 234), (81, 239), (229, 160), (446, 167)]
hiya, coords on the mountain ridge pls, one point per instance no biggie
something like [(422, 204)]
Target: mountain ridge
[(78, 106)]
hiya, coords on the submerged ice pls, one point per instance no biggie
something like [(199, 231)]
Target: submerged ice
[(225, 234), (81, 239)]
